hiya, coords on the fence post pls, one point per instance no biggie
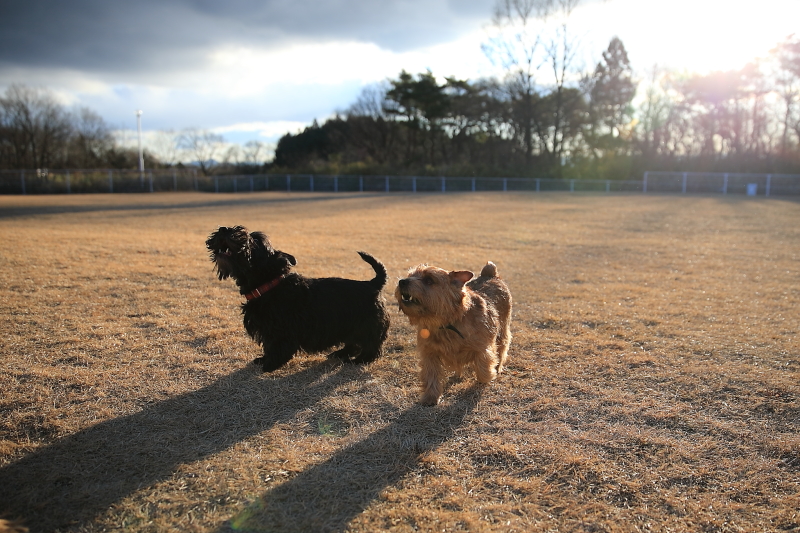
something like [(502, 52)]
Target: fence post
[(608, 185), (336, 184), (505, 184), (444, 187), (769, 178), (361, 184), (386, 178), (111, 181), (311, 183), (251, 184), (537, 184), (571, 185), (414, 184), (683, 187), (644, 183), (174, 181), (22, 181), (150, 178), (288, 183), (216, 184), (68, 187), (473, 184), (194, 173), (725, 184)]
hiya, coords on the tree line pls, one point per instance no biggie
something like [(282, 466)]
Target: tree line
[(38, 132), (587, 126)]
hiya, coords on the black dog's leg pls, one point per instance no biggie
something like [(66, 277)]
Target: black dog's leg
[(372, 341), (276, 355)]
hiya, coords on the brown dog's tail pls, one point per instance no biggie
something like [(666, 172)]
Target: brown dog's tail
[(380, 271), (489, 271)]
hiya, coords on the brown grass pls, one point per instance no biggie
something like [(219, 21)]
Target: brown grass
[(652, 382)]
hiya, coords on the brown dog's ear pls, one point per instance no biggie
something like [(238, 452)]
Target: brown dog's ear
[(289, 257), (460, 277)]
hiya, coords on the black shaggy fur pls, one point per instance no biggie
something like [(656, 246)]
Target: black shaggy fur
[(299, 313)]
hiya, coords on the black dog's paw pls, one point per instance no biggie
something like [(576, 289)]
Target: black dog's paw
[(344, 354), (266, 364), (269, 365), (367, 356)]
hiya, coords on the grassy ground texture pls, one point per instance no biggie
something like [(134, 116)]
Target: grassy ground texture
[(652, 383)]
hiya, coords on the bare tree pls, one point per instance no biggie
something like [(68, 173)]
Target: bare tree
[(787, 77), (164, 146), (255, 152), (654, 113), (232, 155), (373, 131), (516, 48), (530, 34), (371, 102), (203, 146), (91, 140), (36, 127), (561, 51)]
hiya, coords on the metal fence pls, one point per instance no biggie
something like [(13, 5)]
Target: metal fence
[(318, 183), (188, 179), (722, 183), (46, 181)]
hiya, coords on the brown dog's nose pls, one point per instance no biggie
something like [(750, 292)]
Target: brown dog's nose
[(404, 283)]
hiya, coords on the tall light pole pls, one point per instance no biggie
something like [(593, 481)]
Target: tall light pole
[(141, 154)]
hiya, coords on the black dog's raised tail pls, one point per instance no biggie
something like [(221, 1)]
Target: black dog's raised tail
[(380, 271)]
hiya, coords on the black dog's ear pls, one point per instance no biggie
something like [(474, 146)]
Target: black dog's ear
[(289, 257), (261, 238)]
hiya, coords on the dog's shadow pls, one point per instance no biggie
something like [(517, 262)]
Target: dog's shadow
[(74, 479), (326, 497)]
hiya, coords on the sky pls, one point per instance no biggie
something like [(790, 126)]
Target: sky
[(257, 69)]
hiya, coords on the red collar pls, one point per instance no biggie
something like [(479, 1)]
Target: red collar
[(264, 288)]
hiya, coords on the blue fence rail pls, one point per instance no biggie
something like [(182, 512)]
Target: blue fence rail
[(318, 183), (722, 183), (46, 181), (188, 179)]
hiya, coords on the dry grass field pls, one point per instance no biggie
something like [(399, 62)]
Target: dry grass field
[(652, 383)]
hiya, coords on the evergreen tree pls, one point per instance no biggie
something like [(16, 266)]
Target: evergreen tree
[(612, 91)]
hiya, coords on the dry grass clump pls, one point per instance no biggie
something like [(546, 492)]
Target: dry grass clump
[(652, 382)]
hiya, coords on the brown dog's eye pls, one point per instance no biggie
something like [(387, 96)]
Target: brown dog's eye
[(428, 281)]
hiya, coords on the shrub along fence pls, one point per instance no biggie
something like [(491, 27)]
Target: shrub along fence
[(189, 179)]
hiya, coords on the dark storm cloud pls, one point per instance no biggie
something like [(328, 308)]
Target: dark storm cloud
[(108, 35)]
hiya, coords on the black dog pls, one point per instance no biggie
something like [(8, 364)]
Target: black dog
[(286, 312)]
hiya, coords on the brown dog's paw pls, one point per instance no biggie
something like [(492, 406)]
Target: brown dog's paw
[(429, 399)]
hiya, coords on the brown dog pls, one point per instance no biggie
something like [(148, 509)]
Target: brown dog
[(459, 322)]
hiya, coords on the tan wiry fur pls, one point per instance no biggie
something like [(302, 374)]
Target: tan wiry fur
[(459, 322)]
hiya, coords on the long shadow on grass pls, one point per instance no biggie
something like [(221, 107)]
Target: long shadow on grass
[(214, 201), (74, 479), (328, 496)]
